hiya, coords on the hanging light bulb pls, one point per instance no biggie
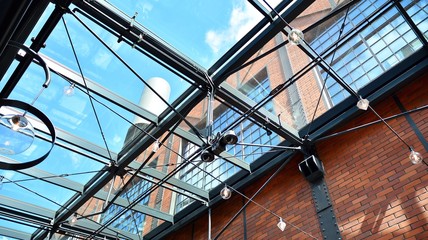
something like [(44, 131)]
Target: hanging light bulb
[(16, 134), (363, 104), (295, 36), (156, 146), (415, 157), (225, 193), (69, 90), (281, 224), (73, 219)]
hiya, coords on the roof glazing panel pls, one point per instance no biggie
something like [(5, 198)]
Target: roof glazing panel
[(202, 30)]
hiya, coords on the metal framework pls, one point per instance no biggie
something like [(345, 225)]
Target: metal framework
[(48, 222)]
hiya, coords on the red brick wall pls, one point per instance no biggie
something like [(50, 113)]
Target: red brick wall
[(376, 192), (375, 189), (287, 195)]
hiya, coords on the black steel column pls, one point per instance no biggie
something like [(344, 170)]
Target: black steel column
[(313, 170)]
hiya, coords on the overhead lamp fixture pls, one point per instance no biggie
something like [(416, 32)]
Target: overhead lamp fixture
[(415, 157), (281, 224), (69, 90), (295, 36), (363, 104), (225, 193), (73, 219), (207, 156), (16, 131), (229, 137), (17, 134)]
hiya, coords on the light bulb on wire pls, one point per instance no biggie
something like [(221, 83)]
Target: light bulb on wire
[(415, 157), (225, 193), (295, 36), (73, 219), (281, 224), (69, 90), (363, 104), (16, 134)]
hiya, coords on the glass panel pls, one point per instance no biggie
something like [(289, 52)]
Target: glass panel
[(419, 14), (74, 113), (71, 165), (101, 66), (383, 43), (14, 225), (40, 193), (211, 27)]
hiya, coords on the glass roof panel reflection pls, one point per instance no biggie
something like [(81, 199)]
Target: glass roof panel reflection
[(211, 27), (15, 225), (50, 196), (102, 67), (74, 113)]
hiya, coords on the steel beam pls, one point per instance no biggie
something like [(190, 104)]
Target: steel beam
[(8, 232), (17, 20), (77, 187), (128, 156), (97, 89), (173, 181), (243, 103), (27, 207), (138, 208), (154, 47), (228, 56), (37, 44), (292, 11)]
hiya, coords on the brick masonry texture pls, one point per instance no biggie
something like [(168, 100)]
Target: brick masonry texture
[(376, 192)]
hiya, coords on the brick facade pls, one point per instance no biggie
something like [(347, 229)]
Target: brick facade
[(376, 192)]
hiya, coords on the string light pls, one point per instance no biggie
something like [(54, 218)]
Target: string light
[(415, 157), (281, 224), (295, 36), (363, 104), (69, 90), (225, 193), (73, 219)]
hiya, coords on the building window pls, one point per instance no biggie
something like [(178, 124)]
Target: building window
[(130, 219), (248, 132), (379, 46)]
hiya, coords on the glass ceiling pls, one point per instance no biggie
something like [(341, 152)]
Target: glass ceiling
[(128, 162)]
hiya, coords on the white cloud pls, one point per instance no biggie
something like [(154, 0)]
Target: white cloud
[(146, 8), (102, 59), (117, 139), (76, 160), (243, 17)]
